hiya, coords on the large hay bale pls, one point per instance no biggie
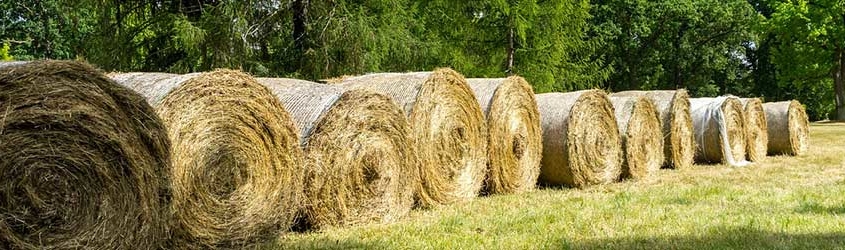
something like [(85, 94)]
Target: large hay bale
[(581, 144), (447, 126), (673, 105), (718, 124), (756, 129), (788, 128), (84, 161), (642, 138), (515, 142), (361, 163), (237, 165)]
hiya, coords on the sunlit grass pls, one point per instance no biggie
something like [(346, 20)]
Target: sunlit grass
[(782, 203)]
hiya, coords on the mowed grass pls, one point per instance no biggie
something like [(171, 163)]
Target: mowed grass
[(782, 203)]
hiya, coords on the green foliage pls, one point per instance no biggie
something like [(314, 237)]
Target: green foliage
[(4, 53)]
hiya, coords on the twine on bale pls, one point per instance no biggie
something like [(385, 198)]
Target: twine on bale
[(756, 129), (581, 144), (237, 165), (719, 130), (83, 161), (447, 127), (674, 109), (788, 128), (515, 142), (642, 139), (361, 163)]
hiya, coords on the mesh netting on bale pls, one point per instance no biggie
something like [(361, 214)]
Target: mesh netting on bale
[(719, 130), (361, 163), (447, 127), (756, 129), (237, 165), (673, 106), (581, 143), (642, 138), (788, 128), (84, 161), (515, 142)]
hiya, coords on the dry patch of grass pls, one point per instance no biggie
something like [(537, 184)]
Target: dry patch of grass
[(782, 203)]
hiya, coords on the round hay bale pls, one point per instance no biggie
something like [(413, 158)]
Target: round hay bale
[(581, 144), (237, 165), (642, 138), (361, 163), (719, 130), (788, 128), (756, 129), (673, 106), (84, 161), (447, 127), (515, 142)]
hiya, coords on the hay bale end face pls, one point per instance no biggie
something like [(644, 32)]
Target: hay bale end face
[(788, 128), (674, 108), (447, 128), (719, 129), (361, 163), (581, 144), (515, 142), (84, 161), (641, 134), (237, 165), (756, 129)]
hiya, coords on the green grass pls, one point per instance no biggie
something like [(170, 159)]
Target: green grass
[(782, 203)]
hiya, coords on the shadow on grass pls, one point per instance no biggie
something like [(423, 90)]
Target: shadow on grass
[(740, 238), (323, 243), (815, 208)]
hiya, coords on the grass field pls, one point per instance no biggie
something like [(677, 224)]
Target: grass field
[(782, 203)]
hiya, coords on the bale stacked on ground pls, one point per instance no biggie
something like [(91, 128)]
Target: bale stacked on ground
[(515, 142), (447, 126), (581, 144), (237, 165), (673, 105), (642, 139), (756, 129), (719, 130), (83, 161), (361, 163), (788, 127)]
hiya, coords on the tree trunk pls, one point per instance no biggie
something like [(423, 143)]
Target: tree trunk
[(300, 20), (509, 66), (839, 82)]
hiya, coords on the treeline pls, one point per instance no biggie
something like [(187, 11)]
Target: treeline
[(776, 49)]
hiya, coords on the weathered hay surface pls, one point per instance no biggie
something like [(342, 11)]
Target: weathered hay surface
[(673, 105), (642, 138), (756, 129), (83, 161), (581, 144), (719, 130), (788, 128), (361, 163), (447, 126), (515, 142), (237, 165)]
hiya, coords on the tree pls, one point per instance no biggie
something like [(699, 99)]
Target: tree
[(812, 48)]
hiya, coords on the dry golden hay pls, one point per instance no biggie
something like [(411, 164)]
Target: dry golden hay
[(581, 143), (237, 165), (673, 105), (718, 124), (788, 128), (447, 127), (361, 163), (756, 129), (642, 138), (515, 142), (84, 161)]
